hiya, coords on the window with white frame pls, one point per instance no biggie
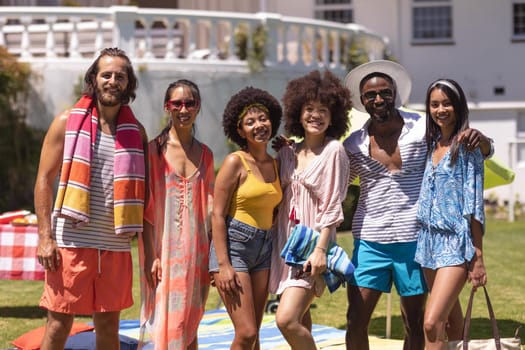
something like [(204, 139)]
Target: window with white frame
[(518, 19), (432, 21), (334, 10)]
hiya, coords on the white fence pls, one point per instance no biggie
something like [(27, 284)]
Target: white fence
[(40, 33)]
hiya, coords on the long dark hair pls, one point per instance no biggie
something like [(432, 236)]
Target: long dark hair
[(90, 87), (162, 138), (459, 102)]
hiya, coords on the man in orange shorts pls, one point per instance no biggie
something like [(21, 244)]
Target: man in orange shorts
[(85, 241)]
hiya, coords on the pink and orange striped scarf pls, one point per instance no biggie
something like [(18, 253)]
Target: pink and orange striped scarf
[(129, 171)]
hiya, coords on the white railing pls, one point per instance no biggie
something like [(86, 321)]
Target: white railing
[(43, 33)]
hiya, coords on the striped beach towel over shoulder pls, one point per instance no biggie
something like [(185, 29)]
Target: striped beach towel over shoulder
[(72, 199)]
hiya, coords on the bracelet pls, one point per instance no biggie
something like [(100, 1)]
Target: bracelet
[(323, 249)]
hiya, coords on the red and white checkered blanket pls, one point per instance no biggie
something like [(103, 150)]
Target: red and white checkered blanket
[(18, 260)]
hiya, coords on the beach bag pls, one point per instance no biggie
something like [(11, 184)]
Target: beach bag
[(495, 343)]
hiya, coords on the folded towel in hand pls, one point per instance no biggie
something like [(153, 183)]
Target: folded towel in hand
[(301, 244)]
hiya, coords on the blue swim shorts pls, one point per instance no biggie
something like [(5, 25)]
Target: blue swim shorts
[(379, 265), (249, 248)]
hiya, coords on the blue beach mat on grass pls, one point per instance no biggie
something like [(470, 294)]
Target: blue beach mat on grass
[(216, 332), (87, 341)]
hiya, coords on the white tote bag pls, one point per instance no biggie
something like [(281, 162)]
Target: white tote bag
[(496, 343)]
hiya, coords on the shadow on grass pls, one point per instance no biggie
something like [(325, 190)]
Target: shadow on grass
[(22, 312), (480, 328)]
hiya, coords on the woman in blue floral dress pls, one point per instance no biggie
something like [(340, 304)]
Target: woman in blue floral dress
[(451, 213)]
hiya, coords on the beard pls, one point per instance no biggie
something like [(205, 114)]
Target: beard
[(382, 115), (109, 99)]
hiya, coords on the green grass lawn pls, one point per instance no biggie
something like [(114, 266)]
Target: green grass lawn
[(504, 249)]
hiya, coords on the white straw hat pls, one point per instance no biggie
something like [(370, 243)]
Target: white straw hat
[(394, 70)]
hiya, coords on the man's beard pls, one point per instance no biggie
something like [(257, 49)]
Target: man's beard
[(108, 99), (384, 115)]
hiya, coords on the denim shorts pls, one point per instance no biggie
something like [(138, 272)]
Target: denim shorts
[(249, 248)]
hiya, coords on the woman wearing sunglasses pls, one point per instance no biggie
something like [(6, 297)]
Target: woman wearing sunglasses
[(247, 192), (175, 244)]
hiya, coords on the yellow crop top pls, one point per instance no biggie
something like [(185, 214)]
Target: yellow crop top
[(254, 200)]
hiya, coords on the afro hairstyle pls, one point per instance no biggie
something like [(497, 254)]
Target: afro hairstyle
[(237, 104), (329, 90)]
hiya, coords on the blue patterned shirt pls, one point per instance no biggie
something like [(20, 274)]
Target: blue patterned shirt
[(450, 195)]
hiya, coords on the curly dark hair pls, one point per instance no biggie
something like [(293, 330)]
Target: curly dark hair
[(90, 87), (328, 89), (242, 99)]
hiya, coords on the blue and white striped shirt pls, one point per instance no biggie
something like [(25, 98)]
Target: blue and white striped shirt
[(388, 202)]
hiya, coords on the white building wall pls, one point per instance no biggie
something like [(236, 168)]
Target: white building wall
[(381, 17), (296, 8), (481, 57)]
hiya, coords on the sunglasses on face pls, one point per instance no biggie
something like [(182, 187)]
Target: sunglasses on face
[(178, 104), (386, 94)]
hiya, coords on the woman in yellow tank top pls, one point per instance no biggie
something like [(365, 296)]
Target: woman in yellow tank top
[(247, 191)]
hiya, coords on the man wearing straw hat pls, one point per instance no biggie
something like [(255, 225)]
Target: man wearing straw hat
[(388, 155)]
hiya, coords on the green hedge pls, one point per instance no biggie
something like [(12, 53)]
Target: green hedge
[(19, 144)]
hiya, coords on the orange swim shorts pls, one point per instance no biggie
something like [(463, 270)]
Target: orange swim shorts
[(89, 280)]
